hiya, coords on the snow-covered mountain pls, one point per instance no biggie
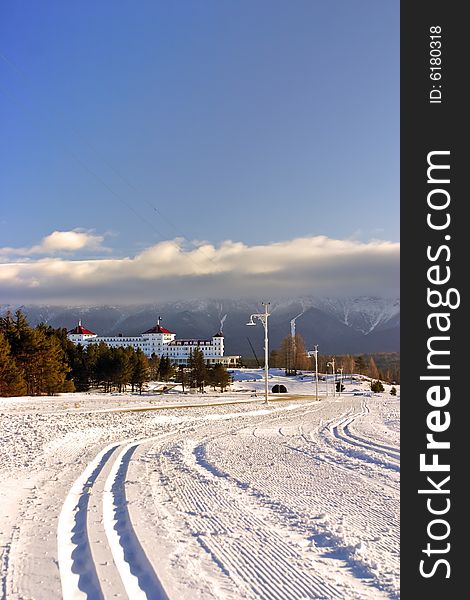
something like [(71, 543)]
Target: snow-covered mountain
[(338, 325), (364, 314)]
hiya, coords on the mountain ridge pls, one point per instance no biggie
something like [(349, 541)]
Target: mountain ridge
[(339, 325)]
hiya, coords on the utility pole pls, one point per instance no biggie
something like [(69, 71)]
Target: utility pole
[(315, 353), (340, 369), (263, 317), (332, 365)]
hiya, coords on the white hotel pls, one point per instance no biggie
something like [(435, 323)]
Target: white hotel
[(161, 342)]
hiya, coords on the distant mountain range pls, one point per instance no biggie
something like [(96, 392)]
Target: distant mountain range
[(338, 326)]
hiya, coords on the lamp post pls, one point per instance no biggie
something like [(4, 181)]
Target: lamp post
[(315, 353), (332, 365), (263, 317)]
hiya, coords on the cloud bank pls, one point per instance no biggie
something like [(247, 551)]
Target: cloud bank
[(171, 270)]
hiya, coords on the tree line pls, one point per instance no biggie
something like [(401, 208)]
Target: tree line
[(42, 360), (32, 360), (292, 357)]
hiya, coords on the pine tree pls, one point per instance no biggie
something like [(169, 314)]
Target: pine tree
[(220, 377), (80, 366), (90, 357), (104, 366), (166, 369), (210, 377), (11, 377), (68, 349), (361, 364), (198, 372), (124, 358), (43, 362), (154, 366), (16, 329), (7, 327), (38, 354), (140, 370), (182, 377), (376, 386)]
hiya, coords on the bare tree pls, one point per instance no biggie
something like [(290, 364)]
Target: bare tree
[(293, 355)]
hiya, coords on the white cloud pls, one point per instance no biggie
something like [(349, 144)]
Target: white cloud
[(59, 242), (170, 270)]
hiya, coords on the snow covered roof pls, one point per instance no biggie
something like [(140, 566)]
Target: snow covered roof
[(81, 330), (158, 329), (219, 334)]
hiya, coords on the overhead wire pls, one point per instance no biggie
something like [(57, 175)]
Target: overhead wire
[(100, 179), (104, 159)]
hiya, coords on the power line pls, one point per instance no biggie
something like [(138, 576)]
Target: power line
[(100, 179)]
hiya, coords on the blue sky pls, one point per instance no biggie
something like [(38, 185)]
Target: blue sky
[(137, 122)]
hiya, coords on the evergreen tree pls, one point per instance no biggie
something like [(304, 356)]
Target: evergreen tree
[(90, 358), (11, 377), (38, 354), (197, 370), (220, 377), (125, 360), (154, 366), (376, 386), (16, 329), (43, 362), (166, 369), (361, 364), (140, 370), (210, 377), (68, 348), (339, 387), (81, 367), (7, 328), (106, 367), (182, 377)]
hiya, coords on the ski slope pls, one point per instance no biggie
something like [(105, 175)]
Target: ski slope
[(125, 497)]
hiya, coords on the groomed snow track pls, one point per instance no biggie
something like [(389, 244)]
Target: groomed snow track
[(256, 504), (291, 501), (78, 571)]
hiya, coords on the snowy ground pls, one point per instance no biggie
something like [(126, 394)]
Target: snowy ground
[(149, 497)]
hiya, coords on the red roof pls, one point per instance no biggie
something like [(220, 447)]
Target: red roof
[(158, 329), (82, 330)]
